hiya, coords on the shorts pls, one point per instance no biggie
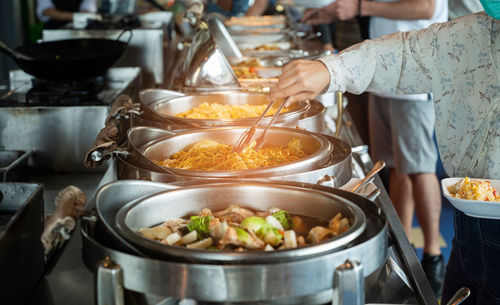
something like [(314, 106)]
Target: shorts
[(401, 133)]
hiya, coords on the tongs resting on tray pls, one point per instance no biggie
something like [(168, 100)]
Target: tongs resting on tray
[(246, 138)]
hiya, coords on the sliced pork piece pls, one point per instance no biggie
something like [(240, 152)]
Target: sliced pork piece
[(234, 209), (318, 234)]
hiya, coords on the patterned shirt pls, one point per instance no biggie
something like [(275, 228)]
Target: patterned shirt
[(459, 62)]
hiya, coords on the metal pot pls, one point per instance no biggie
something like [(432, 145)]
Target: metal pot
[(165, 109), (334, 172), (317, 148), (191, 200), (304, 281), (314, 119)]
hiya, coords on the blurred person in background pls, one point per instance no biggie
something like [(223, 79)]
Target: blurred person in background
[(57, 13), (458, 8), (459, 62), (401, 126), (231, 8)]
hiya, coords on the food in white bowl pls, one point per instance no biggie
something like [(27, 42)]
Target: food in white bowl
[(474, 189), (473, 196)]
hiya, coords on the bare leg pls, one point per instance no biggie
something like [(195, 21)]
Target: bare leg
[(427, 199), (401, 193)]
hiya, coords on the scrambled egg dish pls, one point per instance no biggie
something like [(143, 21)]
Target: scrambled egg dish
[(220, 111)]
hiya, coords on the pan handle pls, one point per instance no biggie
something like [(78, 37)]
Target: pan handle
[(12, 53), (123, 32)]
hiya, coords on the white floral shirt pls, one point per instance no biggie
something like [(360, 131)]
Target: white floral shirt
[(459, 62)]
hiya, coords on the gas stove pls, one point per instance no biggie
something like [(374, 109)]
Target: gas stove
[(25, 90)]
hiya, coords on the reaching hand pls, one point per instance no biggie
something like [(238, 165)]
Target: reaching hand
[(338, 10), (343, 9), (301, 80), (317, 16)]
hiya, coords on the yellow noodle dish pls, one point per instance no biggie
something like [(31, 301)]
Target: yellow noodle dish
[(220, 111), (210, 155)]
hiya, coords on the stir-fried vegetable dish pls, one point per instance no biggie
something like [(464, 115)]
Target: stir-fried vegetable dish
[(210, 155), (240, 229), (221, 111)]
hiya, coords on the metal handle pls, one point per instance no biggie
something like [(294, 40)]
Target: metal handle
[(109, 290), (123, 32), (459, 296), (349, 284), (340, 109), (373, 195), (13, 53), (99, 156), (376, 168), (326, 180)]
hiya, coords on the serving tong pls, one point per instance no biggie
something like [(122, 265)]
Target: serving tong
[(248, 135)]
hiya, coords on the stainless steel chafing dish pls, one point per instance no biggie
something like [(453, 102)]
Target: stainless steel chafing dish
[(329, 160), (284, 279), (306, 115), (190, 200), (167, 108)]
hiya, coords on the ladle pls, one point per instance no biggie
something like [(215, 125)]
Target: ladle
[(459, 296), (376, 168)]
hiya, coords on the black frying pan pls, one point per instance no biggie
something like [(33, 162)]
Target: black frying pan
[(71, 59)]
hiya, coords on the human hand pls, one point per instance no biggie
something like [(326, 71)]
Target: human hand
[(317, 16), (343, 9), (301, 80)]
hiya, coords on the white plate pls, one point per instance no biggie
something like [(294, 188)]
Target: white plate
[(473, 208), (312, 3)]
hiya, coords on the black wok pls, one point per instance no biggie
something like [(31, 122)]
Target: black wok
[(71, 59)]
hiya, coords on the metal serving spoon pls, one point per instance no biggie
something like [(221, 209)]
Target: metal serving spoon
[(376, 168)]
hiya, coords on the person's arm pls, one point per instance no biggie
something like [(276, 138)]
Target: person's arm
[(394, 64), (56, 14), (422, 61), (348, 9), (399, 10), (258, 8)]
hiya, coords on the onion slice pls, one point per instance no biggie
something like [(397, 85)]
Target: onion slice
[(274, 222)]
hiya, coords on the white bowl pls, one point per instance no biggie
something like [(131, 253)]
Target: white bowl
[(473, 208)]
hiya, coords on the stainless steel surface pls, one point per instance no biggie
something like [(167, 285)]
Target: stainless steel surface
[(205, 66), (222, 38), (113, 196), (59, 136), (109, 287), (145, 49), (21, 225), (165, 109), (248, 282), (376, 168), (12, 164), (316, 146), (461, 295), (314, 119), (178, 203), (349, 284)]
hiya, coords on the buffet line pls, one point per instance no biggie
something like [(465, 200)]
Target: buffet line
[(361, 257)]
